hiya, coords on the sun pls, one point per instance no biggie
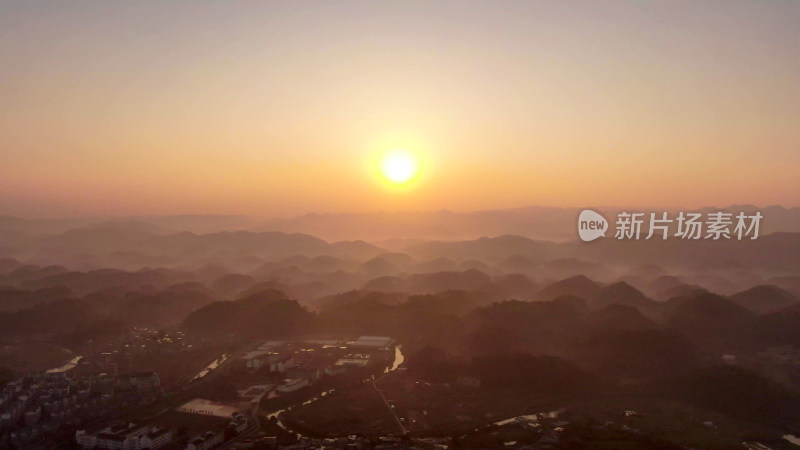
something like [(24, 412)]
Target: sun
[(399, 166)]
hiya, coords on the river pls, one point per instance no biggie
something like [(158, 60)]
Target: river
[(793, 439), (214, 364), (531, 417), (399, 358), (66, 367)]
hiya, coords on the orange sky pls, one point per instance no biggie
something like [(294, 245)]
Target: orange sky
[(274, 109)]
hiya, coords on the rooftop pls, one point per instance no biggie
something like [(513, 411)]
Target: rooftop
[(207, 407)]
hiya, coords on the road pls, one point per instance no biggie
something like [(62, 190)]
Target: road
[(391, 410)]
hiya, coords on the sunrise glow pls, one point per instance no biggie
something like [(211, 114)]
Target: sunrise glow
[(399, 167)]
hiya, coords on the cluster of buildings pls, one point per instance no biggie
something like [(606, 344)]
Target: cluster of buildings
[(36, 405), (214, 438), (271, 355), (149, 341), (126, 437), (232, 423), (129, 436), (353, 442), (304, 364), (138, 381), (122, 353), (546, 425), (374, 342)]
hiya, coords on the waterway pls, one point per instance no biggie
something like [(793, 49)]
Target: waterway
[(793, 439), (214, 364), (399, 358), (66, 367)]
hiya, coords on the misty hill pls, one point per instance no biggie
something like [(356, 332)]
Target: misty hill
[(661, 284), (336, 301), (379, 266), (110, 245), (168, 223), (440, 264), (450, 301), (8, 264), (542, 375), (232, 284), (788, 283), (743, 394), (485, 249), (166, 308), (386, 283), (624, 294), (16, 299), (477, 265), (780, 327), (579, 286), (711, 320), (17, 233), (764, 299), (535, 222), (681, 290), (513, 285), (85, 282), (568, 267), (189, 286), (441, 281), (266, 314), (49, 319), (517, 263), (100, 238), (327, 263), (266, 286), (492, 288), (431, 317), (636, 355), (523, 373), (397, 259), (617, 317), (776, 252), (198, 223), (21, 273), (539, 327), (125, 226)]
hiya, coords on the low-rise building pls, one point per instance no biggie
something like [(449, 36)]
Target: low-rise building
[(335, 370), (124, 437), (206, 441), (372, 342), (157, 438), (282, 364), (138, 381), (259, 358), (292, 384), (352, 362)]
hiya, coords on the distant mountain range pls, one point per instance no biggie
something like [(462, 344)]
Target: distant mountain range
[(388, 229), (535, 222)]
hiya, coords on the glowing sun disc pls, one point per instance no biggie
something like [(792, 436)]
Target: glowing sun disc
[(399, 167)]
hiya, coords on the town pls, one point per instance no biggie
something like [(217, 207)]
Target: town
[(93, 402)]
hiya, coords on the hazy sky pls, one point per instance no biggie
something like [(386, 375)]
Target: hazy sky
[(270, 109)]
